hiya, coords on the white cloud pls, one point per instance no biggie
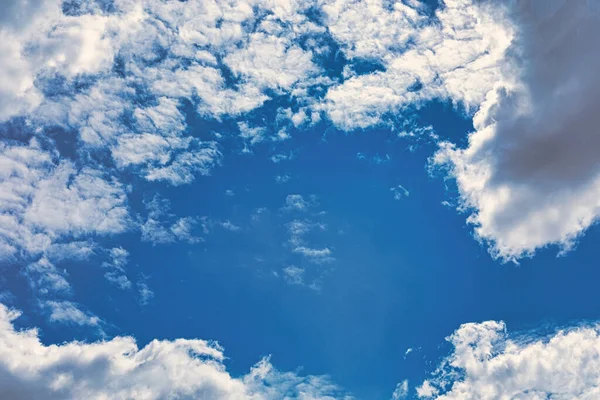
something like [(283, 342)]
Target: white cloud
[(487, 362), (282, 178), (297, 232), (117, 274), (271, 62), (45, 201), (318, 256), (399, 192), (145, 293), (457, 57), (67, 312), (251, 135), (277, 158), (161, 226), (296, 202), (293, 275), (142, 60), (529, 173), (230, 226), (118, 369), (45, 278), (401, 391)]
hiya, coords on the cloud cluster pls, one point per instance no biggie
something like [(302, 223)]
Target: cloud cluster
[(487, 363), (530, 171), (45, 200), (118, 369), (456, 56), (123, 79), (299, 229)]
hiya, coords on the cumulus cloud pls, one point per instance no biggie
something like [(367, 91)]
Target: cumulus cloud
[(487, 362), (119, 369), (45, 200), (118, 76), (529, 174), (456, 56)]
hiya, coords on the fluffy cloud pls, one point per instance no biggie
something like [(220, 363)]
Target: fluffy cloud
[(457, 56), (118, 75), (118, 369), (488, 363), (45, 200), (530, 170)]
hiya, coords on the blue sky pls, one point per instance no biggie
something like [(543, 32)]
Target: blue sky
[(299, 200)]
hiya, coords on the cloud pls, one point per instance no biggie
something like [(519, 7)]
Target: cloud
[(529, 174), (67, 312), (296, 202), (318, 256), (454, 56), (277, 158), (145, 293), (118, 369), (297, 232), (293, 275), (44, 278), (161, 226), (399, 192), (230, 226), (117, 274), (401, 391), (46, 201), (487, 362), (282, 178)]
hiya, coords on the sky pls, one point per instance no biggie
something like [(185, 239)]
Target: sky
[(312, 200)]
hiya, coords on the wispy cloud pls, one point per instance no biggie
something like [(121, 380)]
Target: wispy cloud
[(399, 192)]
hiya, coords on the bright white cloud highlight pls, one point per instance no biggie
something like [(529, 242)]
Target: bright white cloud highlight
[(118, 369), (457, 58), (487, 363)]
